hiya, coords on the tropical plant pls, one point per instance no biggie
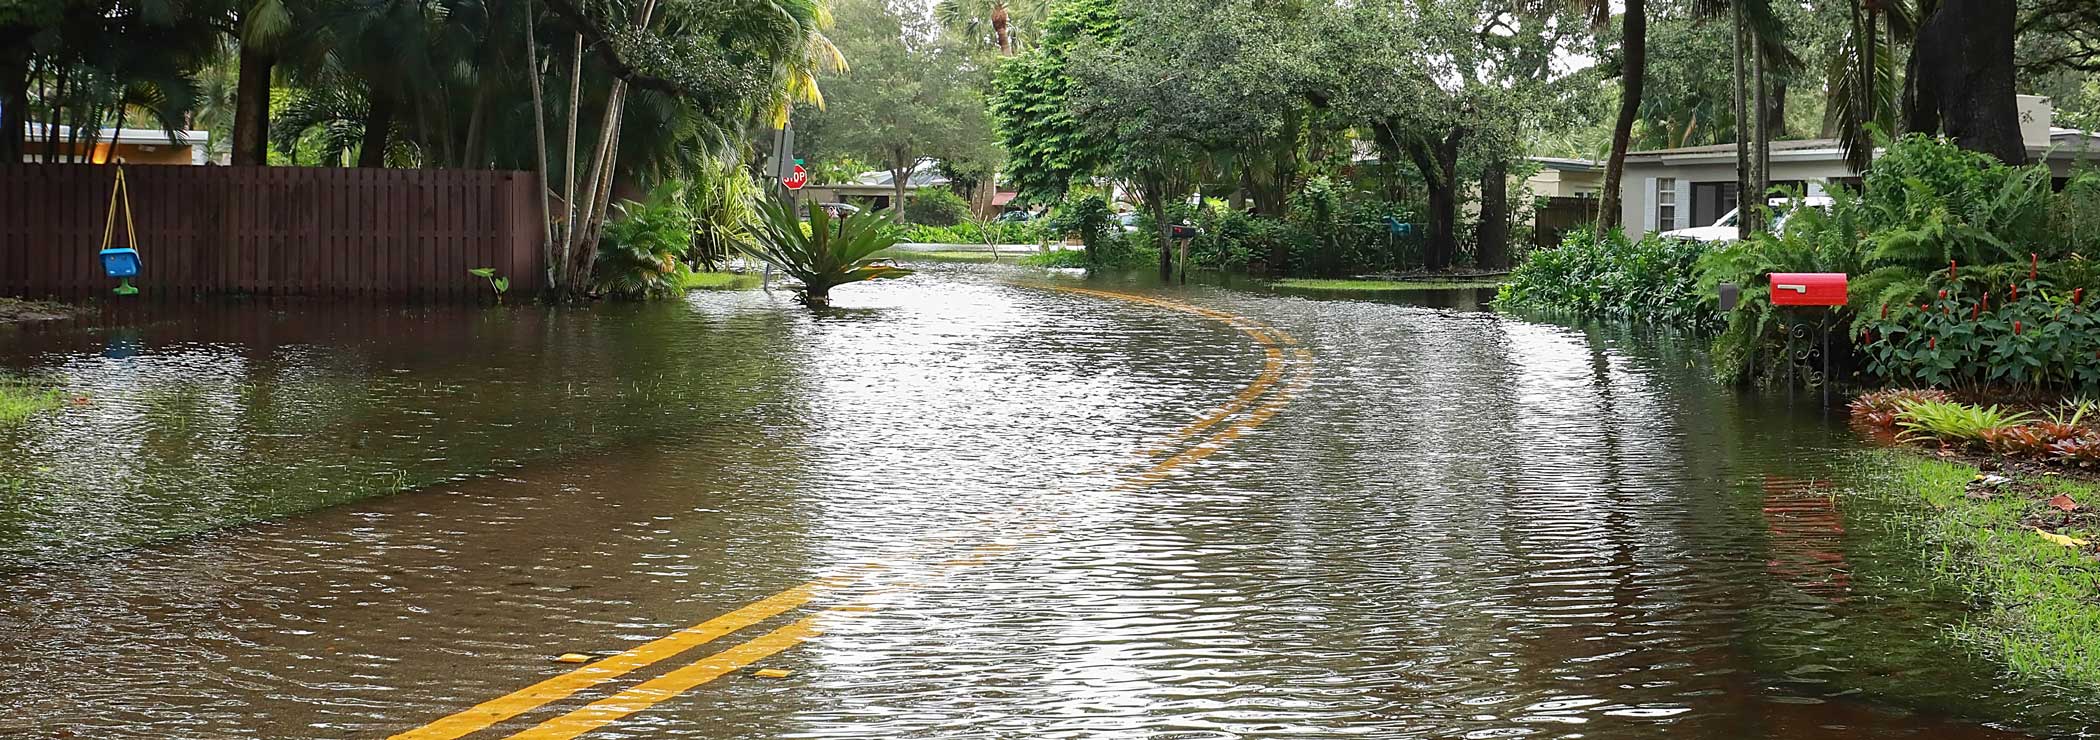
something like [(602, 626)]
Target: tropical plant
[(641, 254), (1881, 408), (497, 283), (723, 200), (826, 252), (1952, 423), (2023, 332)]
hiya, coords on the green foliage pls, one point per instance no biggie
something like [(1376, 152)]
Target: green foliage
[(972, 232), (936, 207), (2027, 333), (1931, 218), (1650, 281), (640, 256), (1953, 422), (825, 252), (723, 200), (21, 398), (499, 284), (910, 93), (1046, 148), (1089, 218)]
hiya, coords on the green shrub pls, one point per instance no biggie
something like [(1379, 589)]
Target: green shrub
[(1650, 281), (639, 253), (2028, 333), (1089, 218), (936, 207), (1930, 218)]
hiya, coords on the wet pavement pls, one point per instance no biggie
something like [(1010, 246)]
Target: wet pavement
[(974, 503)]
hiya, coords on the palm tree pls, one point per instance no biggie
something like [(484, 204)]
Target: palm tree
[(996, 21), (261, 27), (1633, 74)]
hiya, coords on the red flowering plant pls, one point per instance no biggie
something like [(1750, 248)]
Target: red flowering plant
[(2005, 325)]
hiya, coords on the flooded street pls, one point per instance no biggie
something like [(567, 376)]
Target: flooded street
[(979, 502)]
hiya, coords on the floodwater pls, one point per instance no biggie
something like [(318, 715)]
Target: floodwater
[(966, 504)]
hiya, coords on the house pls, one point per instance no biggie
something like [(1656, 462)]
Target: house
[(1667, 189), (1564, 192), (876, 188), (132, 145)]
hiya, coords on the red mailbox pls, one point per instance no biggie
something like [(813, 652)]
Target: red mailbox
[(1808, 289)]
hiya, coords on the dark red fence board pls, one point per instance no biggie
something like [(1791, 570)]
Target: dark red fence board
[(272, 230)]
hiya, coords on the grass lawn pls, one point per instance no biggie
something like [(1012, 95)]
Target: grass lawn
[(721, 281), (19, 399), (2014, 547), (1372, 286)]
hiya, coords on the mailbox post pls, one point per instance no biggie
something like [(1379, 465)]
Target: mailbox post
[(1811, 289)]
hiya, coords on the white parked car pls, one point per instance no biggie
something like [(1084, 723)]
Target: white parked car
[(1724, 228)]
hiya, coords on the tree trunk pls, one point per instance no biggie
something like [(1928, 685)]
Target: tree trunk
[(1961, 78), (1761, 145), (251, 110), (14, 98), (1438, 162), (1634, 28), (1155, 188), (898, 180), (1491, 239), (379, 125)]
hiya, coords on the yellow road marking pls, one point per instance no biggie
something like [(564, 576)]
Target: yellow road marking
[(490, 712), (648, 693), (611, 709)]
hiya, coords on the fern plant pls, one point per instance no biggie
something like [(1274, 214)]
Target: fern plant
[(639, 256)]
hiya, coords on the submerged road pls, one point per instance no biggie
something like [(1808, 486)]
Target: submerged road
[(862, 588), (978, 503)]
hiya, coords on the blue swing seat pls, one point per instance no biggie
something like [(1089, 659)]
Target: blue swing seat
[(122, 262)]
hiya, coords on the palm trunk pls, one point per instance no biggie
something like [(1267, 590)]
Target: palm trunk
[(568, 163), (1634, 46), (1744, 125), (379, 125), (251, 109), (539, 143)]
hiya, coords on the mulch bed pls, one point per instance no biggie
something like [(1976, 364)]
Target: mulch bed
[(17, 310)]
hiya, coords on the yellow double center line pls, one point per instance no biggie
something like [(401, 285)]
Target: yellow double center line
[(1278, 349)]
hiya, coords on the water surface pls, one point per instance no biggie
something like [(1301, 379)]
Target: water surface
[(302, 521)]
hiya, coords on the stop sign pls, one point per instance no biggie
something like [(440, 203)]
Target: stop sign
[(797, 180)]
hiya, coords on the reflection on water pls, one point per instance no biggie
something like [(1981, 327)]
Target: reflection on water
[(1464, 526)]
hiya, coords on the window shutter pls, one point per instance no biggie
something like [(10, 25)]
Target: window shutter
[(1684, 204), (1648, 205)]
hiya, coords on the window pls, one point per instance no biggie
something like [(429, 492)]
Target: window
[(1665, 203)]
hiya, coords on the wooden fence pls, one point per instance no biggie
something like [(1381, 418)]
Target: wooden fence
[(272, 231)]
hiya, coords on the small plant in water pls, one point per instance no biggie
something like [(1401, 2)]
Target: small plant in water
[(1880, 408), (496, 283), (830, 253)]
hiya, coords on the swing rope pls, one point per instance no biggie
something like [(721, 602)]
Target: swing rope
[(122, 192)]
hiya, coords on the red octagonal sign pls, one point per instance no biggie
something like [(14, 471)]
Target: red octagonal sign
[(797, 180)]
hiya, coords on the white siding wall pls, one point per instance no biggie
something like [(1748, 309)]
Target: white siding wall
[(1637, 206)]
